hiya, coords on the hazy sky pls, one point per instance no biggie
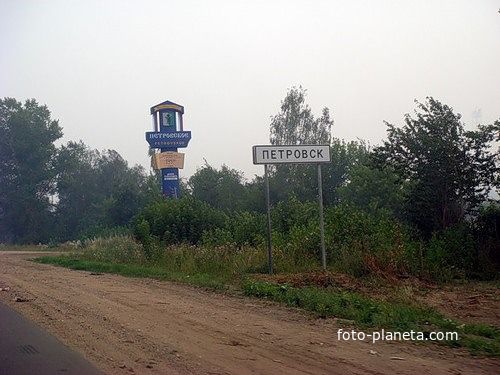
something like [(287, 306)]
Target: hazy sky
[(100, 65)]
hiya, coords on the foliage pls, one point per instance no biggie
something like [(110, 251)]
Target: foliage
[(96, 190), (374, 189), (451, 253), (416, 205), (452, 170), (52, 195), (295, 123), (487, 242), (345, 158), (175, 221), (223, 189), (27, 171), (120, 249), (361, 243), (468, 250), (240, 229)]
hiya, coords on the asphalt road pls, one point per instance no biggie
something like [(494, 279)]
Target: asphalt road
[(27, 349)]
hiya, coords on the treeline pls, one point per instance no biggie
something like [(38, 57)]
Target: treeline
[(54, 194), (423, 202)]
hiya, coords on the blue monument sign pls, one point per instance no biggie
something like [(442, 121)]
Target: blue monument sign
[(168, 136), (168, 139)]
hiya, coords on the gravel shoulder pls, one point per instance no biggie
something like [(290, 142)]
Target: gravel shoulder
[(144, 326)]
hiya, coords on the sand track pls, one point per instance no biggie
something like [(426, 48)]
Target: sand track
[(144, 326)]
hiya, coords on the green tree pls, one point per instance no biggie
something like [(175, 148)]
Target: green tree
[(345, 156), (97, 190), (295, 124), (373, 189), (27, 154), (77, 189), (451, 170), (223, 188)]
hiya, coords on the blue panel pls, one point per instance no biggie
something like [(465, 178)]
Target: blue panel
[(170, 182), (168, 139)]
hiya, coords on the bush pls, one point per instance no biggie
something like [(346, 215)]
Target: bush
[(178, 220), (293, 213), (117, 249), (465, 250), (360, 243), (487, 241)]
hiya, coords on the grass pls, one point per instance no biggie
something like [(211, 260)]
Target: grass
[(36, 248), (367, 312), (135, 270)]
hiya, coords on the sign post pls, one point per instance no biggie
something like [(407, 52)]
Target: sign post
[(321, 218), (269, 227), (293, 154), (167, 117)]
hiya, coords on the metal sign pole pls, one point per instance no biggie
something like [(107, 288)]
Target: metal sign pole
[(269, 228), (321, 218)]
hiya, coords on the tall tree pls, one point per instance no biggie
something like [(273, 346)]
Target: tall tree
[(97, 190), (27, 154), (452, 170), (295, 124)]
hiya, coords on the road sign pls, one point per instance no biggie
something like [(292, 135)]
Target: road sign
[(172, 139), (169, 159), (291, 154)]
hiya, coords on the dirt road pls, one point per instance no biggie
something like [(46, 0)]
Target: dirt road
[(143, 326)]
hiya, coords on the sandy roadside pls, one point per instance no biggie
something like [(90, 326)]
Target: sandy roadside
[(144, 326)]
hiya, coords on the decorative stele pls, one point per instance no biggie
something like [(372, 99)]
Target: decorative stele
[(167, 137)]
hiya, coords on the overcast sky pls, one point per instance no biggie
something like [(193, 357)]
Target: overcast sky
[(100, 65)]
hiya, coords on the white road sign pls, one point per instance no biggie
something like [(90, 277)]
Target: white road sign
[(291, 154)]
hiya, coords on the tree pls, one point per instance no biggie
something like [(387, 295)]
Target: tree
[(451, 170), (27, 155), (223, 189), (97, 190), (373, 189), (77, 189), (346, 157), (293, 125)]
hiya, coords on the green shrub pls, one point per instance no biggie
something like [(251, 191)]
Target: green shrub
[(240, 229), (453, 253), (118, 249), (180, 220), (103, 231), (248, 228), (359, 242), (218, 237), (292, 213)]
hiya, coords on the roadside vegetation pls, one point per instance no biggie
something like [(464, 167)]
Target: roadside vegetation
[(325, 294), (421, 205)]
